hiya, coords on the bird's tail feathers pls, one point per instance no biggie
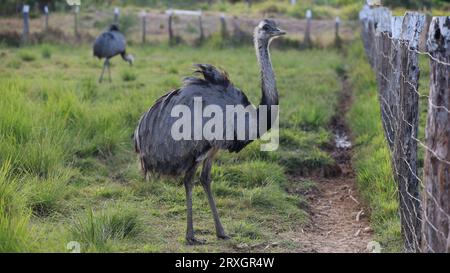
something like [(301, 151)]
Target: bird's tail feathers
[(210, 75)]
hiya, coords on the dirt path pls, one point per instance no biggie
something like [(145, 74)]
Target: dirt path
[(339, 222)]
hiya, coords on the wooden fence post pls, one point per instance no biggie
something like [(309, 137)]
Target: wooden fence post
[(364, 17), (143, 15), (371, 29), (307, 39), (76, 11), (200, 27), (223, 27), (436, 226), (395, 74), (406, 131), (116, 15), (46, 18), (382, 49), (337, 38), (26, 26), (171, 41)]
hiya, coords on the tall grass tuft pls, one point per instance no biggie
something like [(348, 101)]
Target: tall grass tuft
[(44, 195), (15, 235), (46, 52), (252, 174), (97, 230), (128, 76), (26, 56)]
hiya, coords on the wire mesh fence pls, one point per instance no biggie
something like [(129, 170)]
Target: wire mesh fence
[(393, 45), (139, 26)]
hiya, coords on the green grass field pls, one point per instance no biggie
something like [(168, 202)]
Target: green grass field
[(68, 170)]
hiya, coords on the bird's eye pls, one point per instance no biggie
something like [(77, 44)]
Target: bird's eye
[(266, 27)]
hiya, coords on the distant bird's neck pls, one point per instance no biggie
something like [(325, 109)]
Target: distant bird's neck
[(269, 90), (127, 57)]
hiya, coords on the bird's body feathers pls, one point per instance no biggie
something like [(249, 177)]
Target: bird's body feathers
[(161, 153), (109, 44)]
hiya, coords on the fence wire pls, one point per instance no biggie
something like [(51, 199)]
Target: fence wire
[(394, 118)]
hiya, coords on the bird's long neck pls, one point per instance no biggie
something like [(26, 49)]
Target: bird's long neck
[(126, 57), (269, 92), (268, 83)]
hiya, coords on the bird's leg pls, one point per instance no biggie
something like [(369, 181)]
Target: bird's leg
[(109, 71), (190, 237), (103, 71), (205, 179)]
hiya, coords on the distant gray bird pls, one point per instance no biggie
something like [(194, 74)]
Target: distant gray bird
[(160, 153), (109, 44)]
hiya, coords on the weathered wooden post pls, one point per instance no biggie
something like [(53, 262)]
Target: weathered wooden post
[(116, 15), (382, 49), (371, 29), (249, 3), (407, 131), (395, 73), (46, 18), (171, 40), (337, 23), (26, 26), (143, 15), (200, 26), (75, 12), (337, 38), (364, 17), (307, 39), (223, 27), (436, 225)]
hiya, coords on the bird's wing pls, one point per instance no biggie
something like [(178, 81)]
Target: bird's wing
[(223, 97)]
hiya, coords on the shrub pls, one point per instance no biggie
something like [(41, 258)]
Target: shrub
[(26, 56), (128, 76), (46, 52)]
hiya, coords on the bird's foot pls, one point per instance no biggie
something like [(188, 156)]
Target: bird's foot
[(223, 236), (194, 241)]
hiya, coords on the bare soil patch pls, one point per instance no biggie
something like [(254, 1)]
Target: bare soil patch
[(338, 219)]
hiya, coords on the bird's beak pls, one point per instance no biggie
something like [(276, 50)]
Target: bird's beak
[(279, 32)]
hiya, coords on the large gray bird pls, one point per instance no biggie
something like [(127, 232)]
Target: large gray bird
[(160, 153), (109, 44)]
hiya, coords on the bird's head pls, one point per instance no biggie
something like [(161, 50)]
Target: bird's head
[(130, 59), (267, 30)]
